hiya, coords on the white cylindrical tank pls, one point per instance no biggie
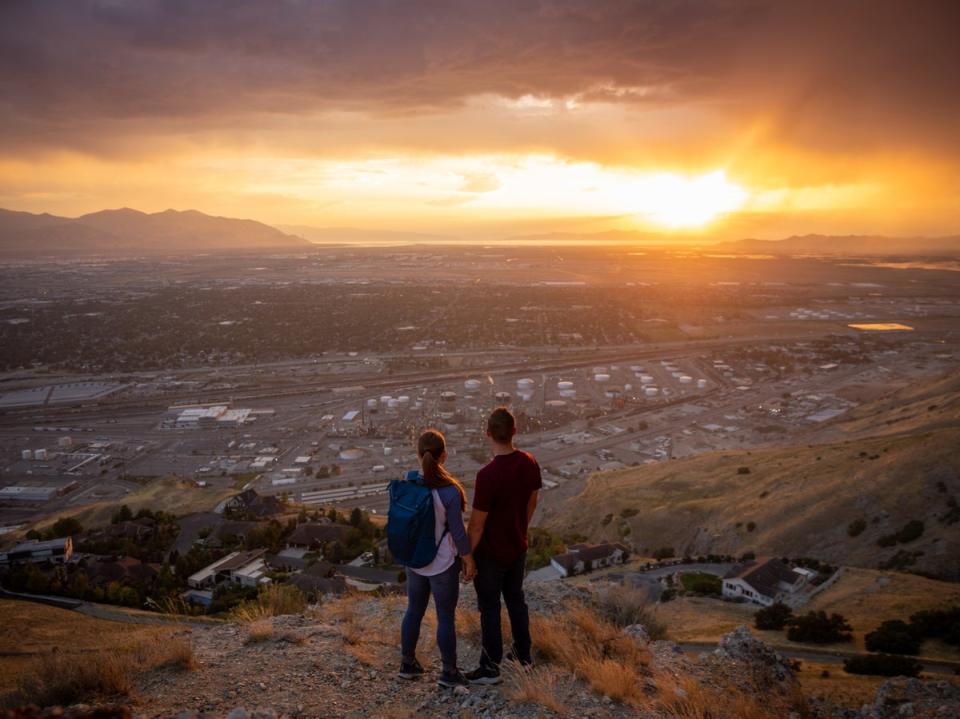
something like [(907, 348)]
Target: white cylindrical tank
[(556, 403), (393, 403), (627, 387), (525, 396), (372, 404), (646, 379), (564, 384), (502, 397), (525, 383), (701, 384), (40, 454), (685, 379), (472, 385), (570, 393), (448, 396), (403, 399), (350, 454), (384, 399), (601, 377), (651, 391)]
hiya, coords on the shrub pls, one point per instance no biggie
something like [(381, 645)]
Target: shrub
[(664, 553), (702, 583), (273, 601), (773, 617), (884, 665), (628, 512), (534, 685), (910, 531), (743, 470), (751, 526), (937, 624), (818, 628), (606, 520), (856, 527), (627, 605), (894, 637)]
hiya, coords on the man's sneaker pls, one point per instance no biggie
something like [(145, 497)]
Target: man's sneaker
[(410, 670), (484, 675), (452, 679)]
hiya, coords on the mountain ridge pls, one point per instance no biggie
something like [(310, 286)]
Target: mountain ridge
[(129, 231)]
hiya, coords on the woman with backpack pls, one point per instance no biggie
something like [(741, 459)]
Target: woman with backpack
[(446, 551)]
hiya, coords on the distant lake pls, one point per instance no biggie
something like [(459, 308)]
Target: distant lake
[(881, 327)]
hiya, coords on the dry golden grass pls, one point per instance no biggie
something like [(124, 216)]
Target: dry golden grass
[(370, 629), (843, 689), (259, 630), (273, 601), (688, 699), (29, 630), (594, 650), (534, 685), (67, 677), (62, 678)]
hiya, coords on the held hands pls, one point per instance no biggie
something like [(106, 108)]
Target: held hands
[(469, 569)]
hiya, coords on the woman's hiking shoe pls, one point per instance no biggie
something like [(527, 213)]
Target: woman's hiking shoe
[(484, 675), (410, 670), (454, 679)]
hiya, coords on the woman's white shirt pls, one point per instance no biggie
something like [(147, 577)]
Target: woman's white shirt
[(447, 551)]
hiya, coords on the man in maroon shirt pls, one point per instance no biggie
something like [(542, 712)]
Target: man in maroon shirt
[(504, 500)]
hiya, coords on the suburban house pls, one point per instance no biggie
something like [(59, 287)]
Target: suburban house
[(249, 502), (581, 558), (313, 534), (764, 581), (248, 569), (32, 550)]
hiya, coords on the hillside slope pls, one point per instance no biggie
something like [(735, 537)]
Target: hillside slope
[(131, 231), (891, 462)]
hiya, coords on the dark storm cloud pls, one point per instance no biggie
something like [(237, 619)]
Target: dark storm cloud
[(823, 73)]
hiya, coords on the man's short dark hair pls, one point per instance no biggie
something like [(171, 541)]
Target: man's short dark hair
[(501, 425)]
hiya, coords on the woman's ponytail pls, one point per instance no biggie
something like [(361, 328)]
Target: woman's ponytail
[(431, 447)]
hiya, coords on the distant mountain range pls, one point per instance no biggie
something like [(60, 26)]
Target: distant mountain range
[(847, 245), (127, 231), (868, 245)]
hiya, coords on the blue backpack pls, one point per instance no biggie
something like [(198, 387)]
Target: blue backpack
[(411, 522)]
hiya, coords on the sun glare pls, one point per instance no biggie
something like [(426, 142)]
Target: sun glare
[(679, 202)]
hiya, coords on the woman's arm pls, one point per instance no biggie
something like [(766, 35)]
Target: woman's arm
[(451, 502)]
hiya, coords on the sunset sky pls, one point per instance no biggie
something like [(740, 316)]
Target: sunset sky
[(707, 119)]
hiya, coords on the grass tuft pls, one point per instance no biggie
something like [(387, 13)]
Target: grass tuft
[(534, 685)]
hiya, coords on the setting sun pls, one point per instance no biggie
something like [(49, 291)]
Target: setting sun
[(680, 202)]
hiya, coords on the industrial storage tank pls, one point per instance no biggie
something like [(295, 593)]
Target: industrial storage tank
[(646, 379), (384, 398), (701, 384), (685, 379), (502, 397), (472, 385), (403, 399), (651, 391), (350, 454), (599, 370), (566, 389), (525, 383), (393, 403), (525, 396), (601, 377), (448, 396), (372, 405), (556, 403)]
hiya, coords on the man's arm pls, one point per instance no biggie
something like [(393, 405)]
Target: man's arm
[(478, 519), (531, 506)]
